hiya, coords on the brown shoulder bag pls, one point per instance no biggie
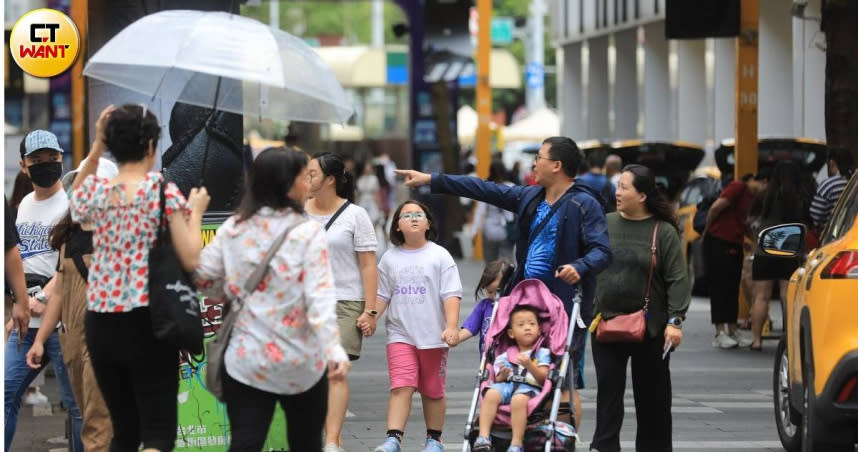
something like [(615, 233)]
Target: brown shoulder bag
[(629, 327)]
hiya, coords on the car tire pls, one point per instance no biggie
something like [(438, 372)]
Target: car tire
[(814, 437), (787, 419)]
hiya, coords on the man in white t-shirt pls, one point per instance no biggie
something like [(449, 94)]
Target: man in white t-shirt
[(39, 211)]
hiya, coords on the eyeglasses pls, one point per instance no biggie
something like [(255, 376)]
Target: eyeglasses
[(411, 216), (539, 157)]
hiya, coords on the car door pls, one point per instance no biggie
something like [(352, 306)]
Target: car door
[(808, 290)]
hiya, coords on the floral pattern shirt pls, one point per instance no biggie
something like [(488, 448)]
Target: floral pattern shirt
[(123, 233), (286, 331)]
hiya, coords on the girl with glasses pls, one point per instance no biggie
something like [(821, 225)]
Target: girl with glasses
[(420, 289)]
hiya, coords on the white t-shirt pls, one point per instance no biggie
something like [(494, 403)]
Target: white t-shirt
[(35, 221), (351, 232), (415, 283)]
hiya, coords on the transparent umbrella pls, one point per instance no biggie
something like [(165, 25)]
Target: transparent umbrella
[(225, 62)]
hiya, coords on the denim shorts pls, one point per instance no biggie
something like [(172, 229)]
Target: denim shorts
[(508, 389)]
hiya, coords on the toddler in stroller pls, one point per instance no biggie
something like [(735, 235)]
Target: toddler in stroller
[(526, 356)]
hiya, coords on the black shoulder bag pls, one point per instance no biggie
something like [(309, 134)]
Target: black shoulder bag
[(173, 301)]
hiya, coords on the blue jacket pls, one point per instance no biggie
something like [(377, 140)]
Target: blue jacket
[(582, 231)]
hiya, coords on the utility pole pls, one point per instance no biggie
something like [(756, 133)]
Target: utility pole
[(274, 13), (746, 89), (378, 23), (484, 90), (535, 45)]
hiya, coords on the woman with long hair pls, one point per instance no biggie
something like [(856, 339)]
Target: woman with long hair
[(135, 371), (786, 199), (285, 345), (352, 244), (647, 262)]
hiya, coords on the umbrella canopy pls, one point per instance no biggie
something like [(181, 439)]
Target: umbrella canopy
[(225, 61)]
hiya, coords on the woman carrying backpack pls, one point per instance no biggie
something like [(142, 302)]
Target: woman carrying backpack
[(723, 237)]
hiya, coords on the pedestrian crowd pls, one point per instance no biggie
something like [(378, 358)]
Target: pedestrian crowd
[(79, 281), (775, 195)]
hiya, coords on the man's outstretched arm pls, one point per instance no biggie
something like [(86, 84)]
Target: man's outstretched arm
[(503, 196)]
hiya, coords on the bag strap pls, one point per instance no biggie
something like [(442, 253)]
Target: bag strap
[(163, 201), (337, 214), (535, 232), (262, 268), (651, 265)]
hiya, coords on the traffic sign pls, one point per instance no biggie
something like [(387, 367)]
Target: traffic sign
[(535, 75), (502, 30)]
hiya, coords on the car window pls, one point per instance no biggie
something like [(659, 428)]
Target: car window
[(844, 214)]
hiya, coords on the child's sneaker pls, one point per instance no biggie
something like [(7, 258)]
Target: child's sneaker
[(515, 449), (390, 444), (433, 445), (482, 444)]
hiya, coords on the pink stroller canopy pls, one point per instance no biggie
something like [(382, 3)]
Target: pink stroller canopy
[(552, 316)]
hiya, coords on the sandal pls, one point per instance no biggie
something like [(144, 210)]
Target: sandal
[(758, 348)]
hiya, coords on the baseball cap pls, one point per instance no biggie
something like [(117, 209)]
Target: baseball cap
[(38, 140)]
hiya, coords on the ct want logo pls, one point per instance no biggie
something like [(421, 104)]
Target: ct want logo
[(44, 42)]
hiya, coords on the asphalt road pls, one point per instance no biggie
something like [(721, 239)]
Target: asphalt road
[(721, 398)]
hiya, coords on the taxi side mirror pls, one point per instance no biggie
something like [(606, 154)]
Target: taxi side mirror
[(780, 250)]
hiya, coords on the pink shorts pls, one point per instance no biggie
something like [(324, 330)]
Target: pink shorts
[(424, 369)]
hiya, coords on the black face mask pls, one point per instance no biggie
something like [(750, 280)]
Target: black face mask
[(45, 174)]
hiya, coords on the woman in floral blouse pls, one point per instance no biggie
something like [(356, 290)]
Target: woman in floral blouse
[(137, 374), (286, 335)]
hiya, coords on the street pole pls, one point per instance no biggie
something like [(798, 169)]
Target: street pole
[(378, 23), (535, 95), (274, 13), (746, 89), (484, 90), (79, 10), (376, 95)]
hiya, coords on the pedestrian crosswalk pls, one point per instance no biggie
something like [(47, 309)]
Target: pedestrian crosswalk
[(458, 402)]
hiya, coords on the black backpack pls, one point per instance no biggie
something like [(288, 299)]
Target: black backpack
[(703, 206)]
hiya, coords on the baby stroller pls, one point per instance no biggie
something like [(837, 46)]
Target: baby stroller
[(544, 432)]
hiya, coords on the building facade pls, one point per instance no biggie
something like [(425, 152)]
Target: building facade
[(620, 78)]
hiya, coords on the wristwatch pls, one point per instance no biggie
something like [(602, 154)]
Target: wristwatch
[(371, 312), (41, 298), (675, 322)]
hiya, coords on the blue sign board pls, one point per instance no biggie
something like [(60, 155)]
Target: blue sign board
[(535, 75)]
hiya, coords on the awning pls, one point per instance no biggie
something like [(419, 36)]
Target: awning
[(369, 67), (536, 126)]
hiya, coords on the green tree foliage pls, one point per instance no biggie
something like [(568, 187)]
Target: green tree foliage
[(351, 20)]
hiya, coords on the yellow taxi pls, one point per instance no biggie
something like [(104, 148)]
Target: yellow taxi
[(816, 365)]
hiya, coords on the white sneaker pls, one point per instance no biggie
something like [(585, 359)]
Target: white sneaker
[(742, 338), (331, 447), (722, 340), (35, 398)]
